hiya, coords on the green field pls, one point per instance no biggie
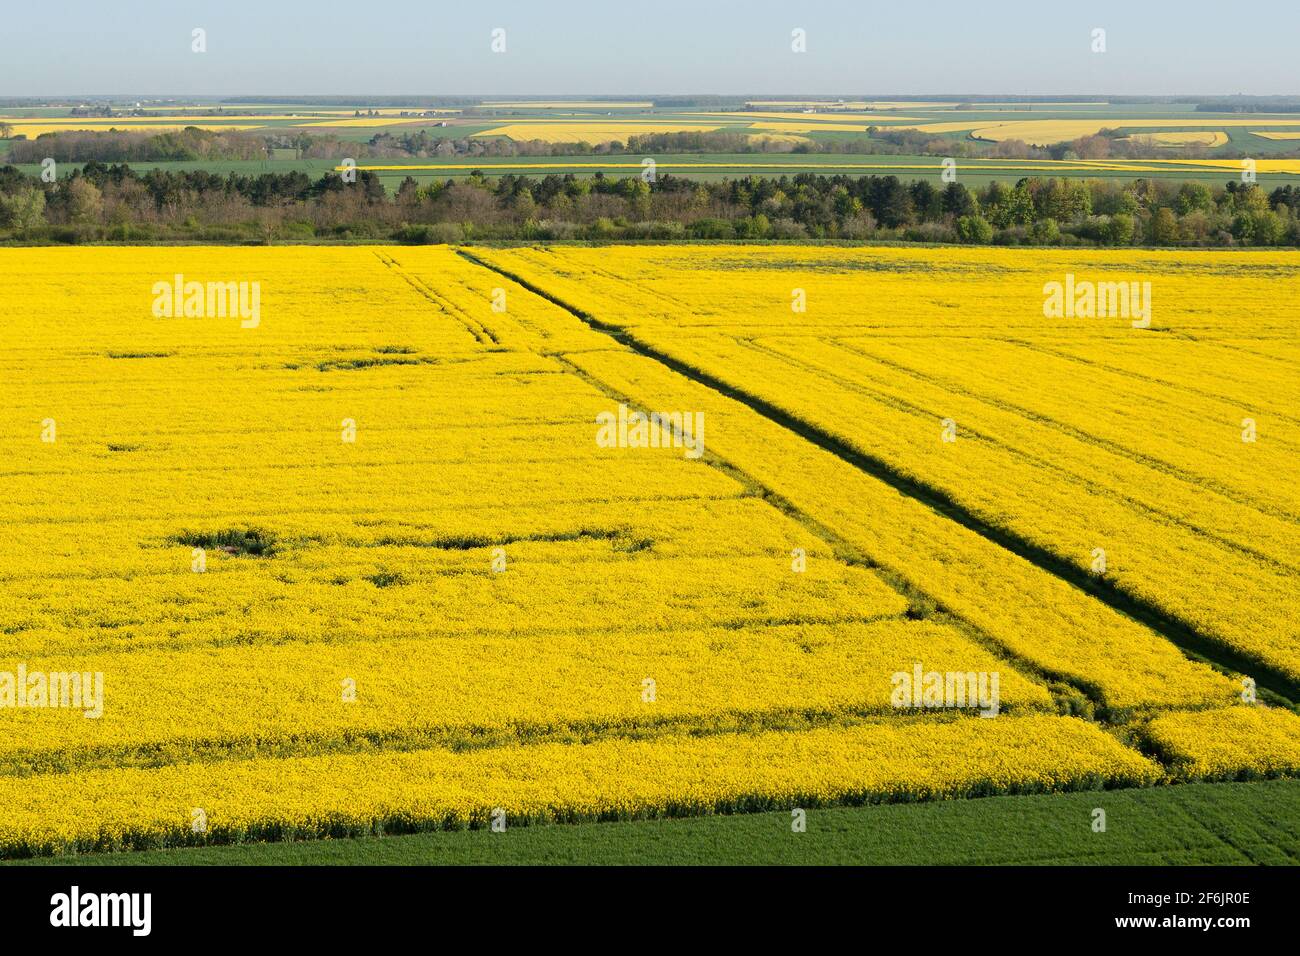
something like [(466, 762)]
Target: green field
[(475, 121), (1214, 824), (972, 172)]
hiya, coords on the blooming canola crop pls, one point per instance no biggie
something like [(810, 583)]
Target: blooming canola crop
[(396, 554)]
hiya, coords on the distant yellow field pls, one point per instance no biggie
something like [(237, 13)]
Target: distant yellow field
[(1043, 132), (189, 119), (560, 105), (589, 132), (309, 113), (777, 138), (295, 113), (1026, 166), (35, 126), (1188, 138), (1021, 106), (365, 121), (1019, 166), (855, 105), (1275, 135), (783, 127), (811, 104), (948, 126), (817, 118), (32, 130), (385, 111), (1291, 166)]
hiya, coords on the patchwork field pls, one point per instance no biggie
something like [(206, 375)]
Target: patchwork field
[(929, 166), (1196, 824), (1044, 132), (1195, 138), (598, 122), (569, 132), (364, 558)]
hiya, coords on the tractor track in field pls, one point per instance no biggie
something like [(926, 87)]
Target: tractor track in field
[(482, 334), (1193, 643), (1064, 471)]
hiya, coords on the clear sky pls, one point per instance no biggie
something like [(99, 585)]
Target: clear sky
[(143, 47)]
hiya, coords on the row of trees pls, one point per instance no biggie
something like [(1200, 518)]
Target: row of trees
[(117, 146), (115, 202)]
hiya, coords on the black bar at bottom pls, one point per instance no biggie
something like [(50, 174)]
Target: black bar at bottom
[(980, 906)]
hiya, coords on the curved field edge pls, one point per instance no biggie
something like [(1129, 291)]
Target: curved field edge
[(1212, 824), (1239, 743), (336, 796)]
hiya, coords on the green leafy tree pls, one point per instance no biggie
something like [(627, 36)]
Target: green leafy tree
[(1120, 230), (1045, 232), (974, 229), (1193, 196), (1018, 210), (1164, 227), (638, 196), (84, 201), (1258, 227), (958, 201), (1061, 199), (846, 205), (23, 211), (926, 200), (1145, 193)]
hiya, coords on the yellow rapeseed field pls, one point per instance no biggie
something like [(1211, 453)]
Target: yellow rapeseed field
[(575, 131), (332, 541), (1188, 138), (815, 119), (32, 127), (567, 104), (1027, 166), (1237, 743), (852, 104), (1048, 131), (352, 122), (32, 130), (1084, 437), (1044, 132), (609, 779)]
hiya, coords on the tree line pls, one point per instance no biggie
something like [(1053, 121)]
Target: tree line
[(194, 144), (102, 202)]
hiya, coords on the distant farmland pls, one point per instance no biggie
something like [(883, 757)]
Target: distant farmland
[(729, 166)]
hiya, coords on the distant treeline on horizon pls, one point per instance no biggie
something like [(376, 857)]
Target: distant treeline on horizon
[(1205, 103)]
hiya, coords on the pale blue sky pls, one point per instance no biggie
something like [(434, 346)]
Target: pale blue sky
[(647, 47)]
